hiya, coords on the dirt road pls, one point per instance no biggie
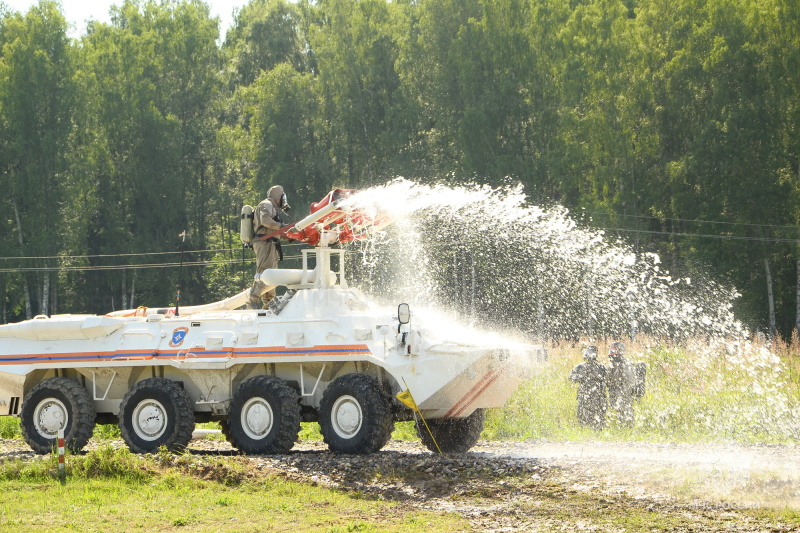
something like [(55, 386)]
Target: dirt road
[(733, 475), (574, 486)]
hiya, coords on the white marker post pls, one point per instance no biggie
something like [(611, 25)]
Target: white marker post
[(61, 467)]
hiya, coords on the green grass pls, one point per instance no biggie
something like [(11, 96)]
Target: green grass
[(9, 427), (114, 490), (747, 395)]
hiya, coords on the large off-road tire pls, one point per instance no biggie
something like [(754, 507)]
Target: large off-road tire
[(226, 430), (156, 412), (53, 404), (453, 435), (264, 417), (355, 415)]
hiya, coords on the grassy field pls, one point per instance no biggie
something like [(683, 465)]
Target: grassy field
[(114, 490), (742, 393)]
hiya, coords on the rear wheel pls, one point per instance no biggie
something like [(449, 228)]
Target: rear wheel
[(53, 404), (453, 435), (226, 430), (355, 415), (264, 416), (156, 412)]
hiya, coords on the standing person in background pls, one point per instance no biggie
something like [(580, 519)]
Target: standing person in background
[(591, 379), (267, 219), (621, 384)]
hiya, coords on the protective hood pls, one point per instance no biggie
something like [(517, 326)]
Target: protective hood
[(275, 193)]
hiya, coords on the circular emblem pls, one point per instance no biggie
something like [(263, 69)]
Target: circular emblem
[(178, 336)]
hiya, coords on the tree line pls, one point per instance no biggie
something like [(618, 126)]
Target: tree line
[(673, 124)]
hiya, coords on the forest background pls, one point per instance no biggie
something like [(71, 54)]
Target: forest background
[(672, 124)]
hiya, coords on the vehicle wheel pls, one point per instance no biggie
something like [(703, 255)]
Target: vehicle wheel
[(454, 435), (226, 430), (355, 415), (156, 412), (53, 404), (264, 416)]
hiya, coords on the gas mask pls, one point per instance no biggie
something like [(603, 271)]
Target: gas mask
[(284, 203)]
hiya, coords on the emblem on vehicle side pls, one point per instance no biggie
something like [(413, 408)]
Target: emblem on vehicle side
[(178, 336)]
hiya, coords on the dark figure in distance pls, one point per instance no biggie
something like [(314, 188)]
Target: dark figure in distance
[(622, 384), (591, 379)]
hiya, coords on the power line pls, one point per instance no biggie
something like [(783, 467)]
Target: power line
[(85, 268), (686, 220), (703, 235), (132, 254)]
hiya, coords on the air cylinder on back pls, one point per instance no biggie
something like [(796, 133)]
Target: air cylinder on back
[(246, 225)]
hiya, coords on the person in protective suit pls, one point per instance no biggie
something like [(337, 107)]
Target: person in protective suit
[(622, 382), (267, 219), (591, 379)]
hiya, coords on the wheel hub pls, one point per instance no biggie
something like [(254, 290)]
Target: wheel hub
[(347, 417), (257, 418), (50, 416), (149, 420)]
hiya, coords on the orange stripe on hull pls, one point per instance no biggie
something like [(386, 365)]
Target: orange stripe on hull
[(474, 393), (196, 353)]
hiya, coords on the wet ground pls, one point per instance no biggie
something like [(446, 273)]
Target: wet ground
[(760, 475)]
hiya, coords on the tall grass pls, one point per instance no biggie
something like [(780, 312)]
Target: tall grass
[(9, 427), (743, 392), (789, 352)]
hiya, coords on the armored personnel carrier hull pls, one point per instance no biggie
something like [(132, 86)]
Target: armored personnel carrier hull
[(323, 352)]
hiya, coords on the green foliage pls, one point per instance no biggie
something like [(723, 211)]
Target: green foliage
[(310, 431), (9, 427), (266, 33), (655, 117), (108, 462), (29, 471), (104, 462), (106, 432), (405, 431)]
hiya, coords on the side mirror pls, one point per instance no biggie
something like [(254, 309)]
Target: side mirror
[(403, 313)]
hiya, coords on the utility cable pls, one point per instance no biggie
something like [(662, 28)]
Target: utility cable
[(686, 220), (84, 268), (703, 235), (131, 254)]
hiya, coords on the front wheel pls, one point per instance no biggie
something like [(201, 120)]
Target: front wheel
[(453, 435), (156, 412), (264, 416), (53, 404), (355, 415)]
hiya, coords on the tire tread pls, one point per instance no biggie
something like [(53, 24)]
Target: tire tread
[(377, 415), (454, 435), (79, 429), (184, 416), (288, 417)]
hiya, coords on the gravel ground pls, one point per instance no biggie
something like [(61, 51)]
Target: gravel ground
[(550, 486)]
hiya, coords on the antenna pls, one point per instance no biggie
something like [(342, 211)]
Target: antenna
[(180, 274)]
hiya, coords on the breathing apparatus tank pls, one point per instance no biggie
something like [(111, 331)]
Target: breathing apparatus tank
[(246, 225)]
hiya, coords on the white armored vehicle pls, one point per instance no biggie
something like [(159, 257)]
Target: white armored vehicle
[(323, 353)]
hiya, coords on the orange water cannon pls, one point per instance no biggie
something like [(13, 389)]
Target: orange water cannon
[(338, 217)]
